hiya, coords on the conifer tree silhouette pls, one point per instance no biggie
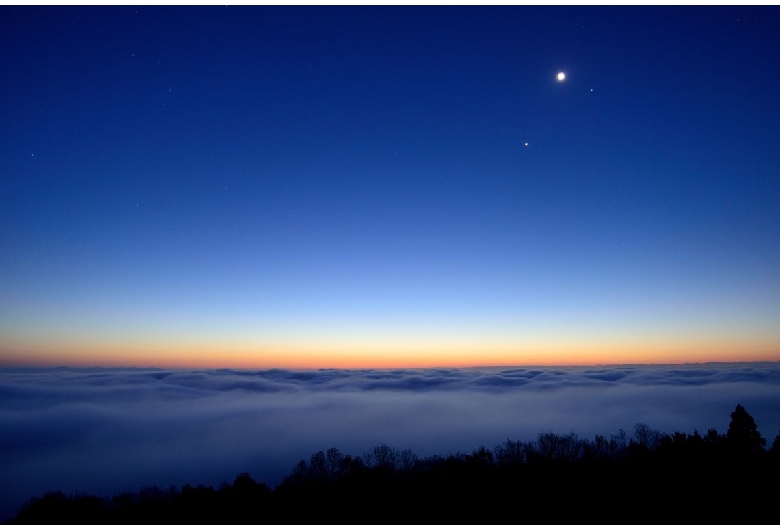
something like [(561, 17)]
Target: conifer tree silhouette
[(743, 433)]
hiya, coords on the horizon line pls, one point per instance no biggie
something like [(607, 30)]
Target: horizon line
[(4, 366)]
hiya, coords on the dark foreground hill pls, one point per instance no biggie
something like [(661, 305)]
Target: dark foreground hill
[(649, 477)]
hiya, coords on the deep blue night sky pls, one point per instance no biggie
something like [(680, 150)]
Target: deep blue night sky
[(276, 186)]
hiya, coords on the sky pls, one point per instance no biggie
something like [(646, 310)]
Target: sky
[(103, 431), (388, 187)]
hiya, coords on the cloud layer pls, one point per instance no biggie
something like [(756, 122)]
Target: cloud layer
[(107, 430)]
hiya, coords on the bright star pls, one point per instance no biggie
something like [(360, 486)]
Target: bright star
[(561, 76)]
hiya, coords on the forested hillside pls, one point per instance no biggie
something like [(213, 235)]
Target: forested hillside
[(647, 477)]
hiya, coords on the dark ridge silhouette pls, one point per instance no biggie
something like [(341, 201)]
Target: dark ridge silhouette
[(647, 478)]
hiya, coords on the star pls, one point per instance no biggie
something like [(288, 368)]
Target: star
[(561, 76)]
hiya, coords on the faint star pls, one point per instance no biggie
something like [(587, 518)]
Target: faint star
[(526, 144)]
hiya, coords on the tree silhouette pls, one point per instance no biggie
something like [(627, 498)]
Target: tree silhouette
[(559, 448), (646, 436), (391, 486), (382, 457), (333, 462), (775, 449), (743, 433)]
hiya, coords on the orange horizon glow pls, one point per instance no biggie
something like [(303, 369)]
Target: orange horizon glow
[(388, 355)]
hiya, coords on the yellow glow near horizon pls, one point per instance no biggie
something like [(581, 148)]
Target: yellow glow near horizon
[(386, 353)]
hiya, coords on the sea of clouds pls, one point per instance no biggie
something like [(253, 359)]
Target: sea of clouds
[(104, 431)]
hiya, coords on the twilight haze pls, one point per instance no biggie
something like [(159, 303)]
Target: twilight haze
[(379, 187)]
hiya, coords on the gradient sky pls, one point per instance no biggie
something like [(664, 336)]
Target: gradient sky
[(351, 186)]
